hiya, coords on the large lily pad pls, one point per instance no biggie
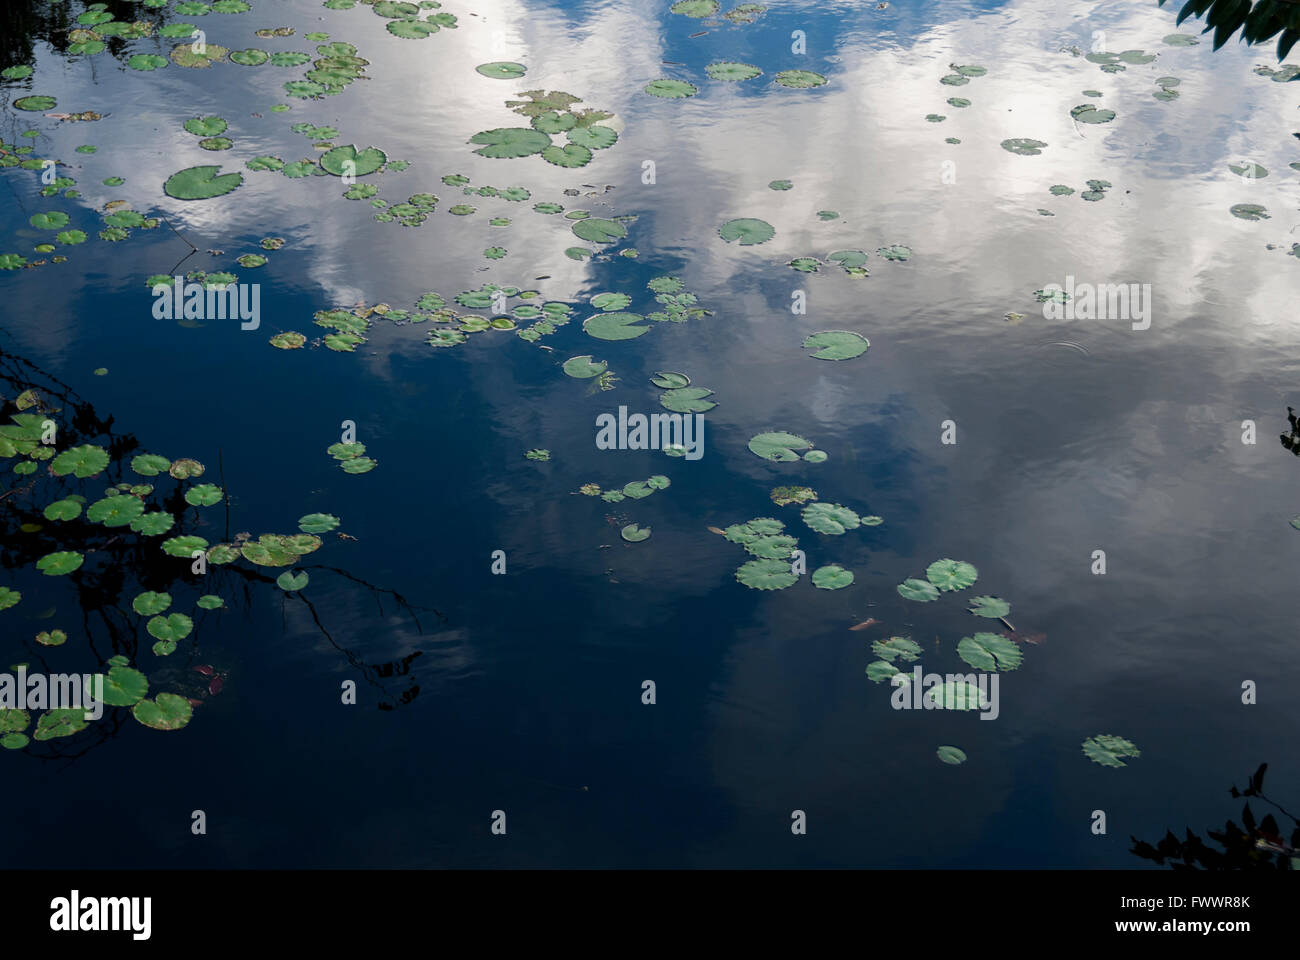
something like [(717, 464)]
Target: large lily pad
[(748, 230), (363, 161), (509, 142), (60, 563), (832, 577), (990, 652), (923, 591), (778, 447), (766, 574), (166, 711), (584, 367), (615, 326), (897, 648), (599, 230), (836, 345), (82, 462), (991, 607), (957, 695), (123, 686), (201, 183), (951, 574), (830, 518)]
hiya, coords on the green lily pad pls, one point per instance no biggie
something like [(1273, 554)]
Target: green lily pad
[(201, 183), (123, 686), (830, 518), (592, 138), (614, 326), (63, 510), (151, 603), (173, 627), (166, 711), (509, 142), (990, 652), (203, 495), (599, 230), (150, 464), (153, 524), (747, 230), (800, 79), (778, 447), (1089, 113), (569, 155), (881, 670), (696, 9), (358, 465), (668, 380), (687, 400), (252, 57), (210, 602), (60, 563), (1248, 211), (9, 598), (183, 546), (635, 534), (36, 103), (60, 723), (832, 577), (115, 511), (289, 582), (1107, 750), (732, 71), (951, 574), (766, 574), (836, 345), (922, 591), (584, 367), (671, 89), (501, 69), (991, 607), (206, 126), (957, 695), (82, 462), (318, 523), (363, 162), (951, 755), (1023, 146), (897, 648)]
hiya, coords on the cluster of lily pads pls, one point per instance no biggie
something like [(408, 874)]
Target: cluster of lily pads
[(635, 490), (614, 323), (680, 397), (550, 114), (959, 76), (404, 19), (700, 9), (781, 447), (351, 457), (764, 538), (1096, 190)]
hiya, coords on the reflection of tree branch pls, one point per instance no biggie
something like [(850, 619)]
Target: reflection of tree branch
[(136, 564)]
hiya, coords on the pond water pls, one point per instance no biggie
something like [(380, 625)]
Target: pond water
[(1116, 430)]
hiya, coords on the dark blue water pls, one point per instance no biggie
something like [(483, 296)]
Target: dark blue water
[(523, 693)]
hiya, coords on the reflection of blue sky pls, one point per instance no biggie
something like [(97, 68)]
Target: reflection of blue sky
[(1132, 448)]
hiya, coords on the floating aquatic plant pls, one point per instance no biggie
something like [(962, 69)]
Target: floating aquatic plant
[(951, 755), (922, 591), (783, 496), (1108, 750), (990, 652), (778, 446), (800, 79), (1090, 113), (951, 574), (166, 711), (990, 607), (747, 230), (766, 574), (614, 326), (635, 534), (830, 518), (671, 89), (1023, 146), (731, 71), (836, 345), (832, 577), (957, 695), (201, 183), (897, 648)]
